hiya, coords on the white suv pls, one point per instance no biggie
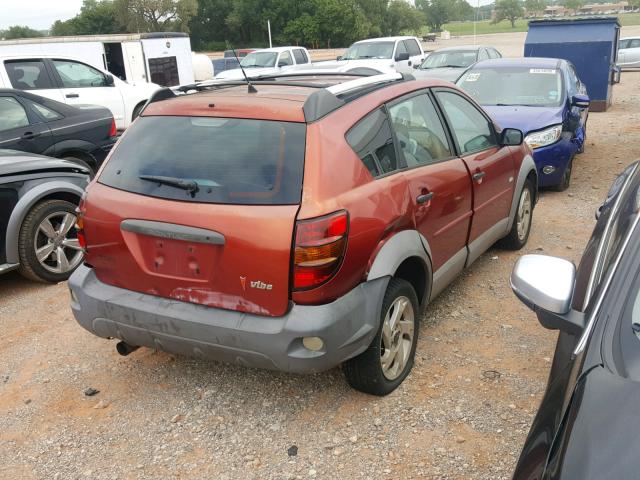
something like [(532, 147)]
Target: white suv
[(74, 82)]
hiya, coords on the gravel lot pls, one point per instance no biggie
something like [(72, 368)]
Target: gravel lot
[(463, 413)]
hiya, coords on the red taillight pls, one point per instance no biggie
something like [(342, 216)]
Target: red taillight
[(319, 248), (82, 240), (113, 131)]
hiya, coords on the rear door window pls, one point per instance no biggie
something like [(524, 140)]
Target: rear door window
[(300, 56), (412, 47), (230, 161), (28, 74), (419, 132), (372, 140), (12, 114)]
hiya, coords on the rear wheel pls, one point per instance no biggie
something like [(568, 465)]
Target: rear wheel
[(48, 246), (389, 359), (521, 228)]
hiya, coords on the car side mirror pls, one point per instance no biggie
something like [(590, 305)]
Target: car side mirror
[(108, 80), (580, 101), (339, 57), (511, 137), (401, 57), (282, 64), (545, 285)]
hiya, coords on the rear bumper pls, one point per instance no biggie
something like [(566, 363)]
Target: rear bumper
[(347, 326)]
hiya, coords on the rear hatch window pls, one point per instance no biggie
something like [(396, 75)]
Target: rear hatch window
[(210, 160)]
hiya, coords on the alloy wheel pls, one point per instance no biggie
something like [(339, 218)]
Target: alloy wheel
[(56, 245), (524, 214), (397, 337)]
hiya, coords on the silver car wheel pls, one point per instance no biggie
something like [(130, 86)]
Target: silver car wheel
[(524, 214), (397, 337), (55, 243)]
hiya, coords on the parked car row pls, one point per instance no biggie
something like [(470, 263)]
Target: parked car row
[(340, 200)]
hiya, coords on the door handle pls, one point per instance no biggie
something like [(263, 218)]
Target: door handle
[(477, 177), (72, 95), (424, 198), (30, 135), (410, 63)]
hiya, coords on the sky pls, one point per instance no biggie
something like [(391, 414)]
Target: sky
[(40, 14), (37, 14)]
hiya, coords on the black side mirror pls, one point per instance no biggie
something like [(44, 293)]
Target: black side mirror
[(339, 57), (580, 101), (511, 137), (282, 64), (401, 57), (108, 80)]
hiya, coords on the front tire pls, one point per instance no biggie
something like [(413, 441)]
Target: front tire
[(385, 364), (47, 244), (521, 228), (566, 178)]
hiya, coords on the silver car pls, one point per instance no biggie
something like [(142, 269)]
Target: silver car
[(629, 52), (451, 62)]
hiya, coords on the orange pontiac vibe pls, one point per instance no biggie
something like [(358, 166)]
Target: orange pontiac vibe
[(297, 225)]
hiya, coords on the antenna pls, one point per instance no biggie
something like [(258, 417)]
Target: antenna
[(250, 87)]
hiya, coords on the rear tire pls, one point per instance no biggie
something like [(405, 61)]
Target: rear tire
[(48, 231), (521, 228), (384, 365)]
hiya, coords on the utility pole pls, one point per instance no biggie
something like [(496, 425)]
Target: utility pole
[(269, 28)]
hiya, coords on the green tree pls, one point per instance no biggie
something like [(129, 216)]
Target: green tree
[(95, 17), (508, 10), (573, 4), (437, 12), (156, 15), (19, 31), (402, 17), (535, 6), (461, 10), (209, 24)]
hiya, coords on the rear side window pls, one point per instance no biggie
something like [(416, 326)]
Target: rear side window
[(231, 161), (28, 74), (412, 47), (45, 112), (12, 114), (372, 140), (300, 56)]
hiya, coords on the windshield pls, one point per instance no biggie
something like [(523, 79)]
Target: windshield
[(455, 59), (369, 50), (210, 160), (259, 60), (536, 87)]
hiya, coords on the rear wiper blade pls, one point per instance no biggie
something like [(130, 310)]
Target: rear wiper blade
[(190, 186)]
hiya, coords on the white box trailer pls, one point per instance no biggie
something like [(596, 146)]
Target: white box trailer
[(163, 58)]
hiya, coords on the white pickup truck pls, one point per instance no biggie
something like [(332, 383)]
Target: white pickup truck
[(382, 54), (74, 82), (269, 61)]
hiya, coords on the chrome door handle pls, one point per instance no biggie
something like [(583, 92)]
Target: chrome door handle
[(477, 177), (424, 198)]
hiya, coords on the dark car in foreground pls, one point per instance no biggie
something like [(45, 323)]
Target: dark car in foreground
[(34, 124), (545, 99), (38, 199), (451, 62), (586, 427)]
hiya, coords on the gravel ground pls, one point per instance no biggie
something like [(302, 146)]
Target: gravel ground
[(463, 413)]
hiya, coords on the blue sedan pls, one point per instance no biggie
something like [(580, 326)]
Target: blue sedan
[(545, 99)]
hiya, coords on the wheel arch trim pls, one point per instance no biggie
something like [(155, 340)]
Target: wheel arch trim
[(26, 202), (398, 248), (527, 167)]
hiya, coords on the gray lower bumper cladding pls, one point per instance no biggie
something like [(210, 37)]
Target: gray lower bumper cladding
[(346, 326)]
